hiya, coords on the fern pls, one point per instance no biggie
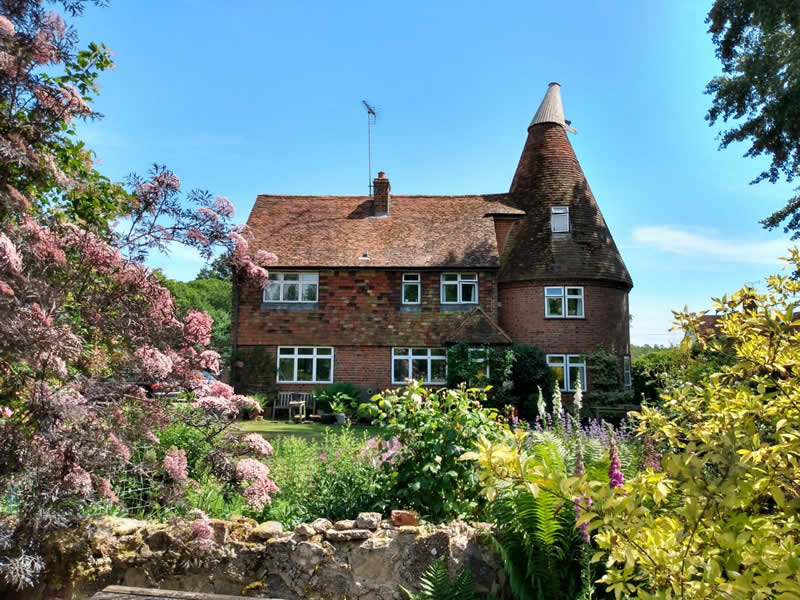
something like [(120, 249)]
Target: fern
[(436, 584)]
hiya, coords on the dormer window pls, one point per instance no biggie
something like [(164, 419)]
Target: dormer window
[(559, 219)]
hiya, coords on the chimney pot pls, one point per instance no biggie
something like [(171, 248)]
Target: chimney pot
[(381, 197)]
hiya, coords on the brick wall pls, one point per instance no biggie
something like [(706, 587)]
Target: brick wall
[(358, 307)]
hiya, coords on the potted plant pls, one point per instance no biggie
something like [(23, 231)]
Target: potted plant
[(338, 405)]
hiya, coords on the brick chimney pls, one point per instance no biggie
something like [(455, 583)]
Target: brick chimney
[(380, 195)]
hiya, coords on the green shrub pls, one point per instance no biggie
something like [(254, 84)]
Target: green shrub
[(436, 584), (342, 391), (529, 373), (608, 387), (482, 366), (433, 428), (191, 440)]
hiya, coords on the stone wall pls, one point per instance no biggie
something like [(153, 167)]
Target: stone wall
[(366, 559)]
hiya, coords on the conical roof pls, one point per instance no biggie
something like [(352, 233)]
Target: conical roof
[(548, 175)]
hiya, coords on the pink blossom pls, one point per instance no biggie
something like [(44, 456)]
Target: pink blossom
[(40, 315), (17, 197), (42, 50), (6, 26), (154, 362), (152, 437), (102, 256), (258, 493), (103, 487), (258, 444), (219, 388), (250, 469), (216, 404), (9, 257), (78, 481), (9, 64), (122, 449), (323, 457), (55, 363), (263, 257), (174, 464), (202, 530), (6, 412), (197, 328), (247, 403), (615, 476), (168, 181), (223, 206), (209, 360), (74, 102), (45, 244), (6, 289), (198, 236), (55, 24), (207, 212)]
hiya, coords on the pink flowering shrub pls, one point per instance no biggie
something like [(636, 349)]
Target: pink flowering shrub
[(85, 327)]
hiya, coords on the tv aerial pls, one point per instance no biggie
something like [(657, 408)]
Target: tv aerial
[(372, 118)]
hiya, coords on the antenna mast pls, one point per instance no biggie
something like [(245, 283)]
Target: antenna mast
[(372, 117)]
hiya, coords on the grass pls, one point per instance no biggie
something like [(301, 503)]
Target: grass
[(309, 431)]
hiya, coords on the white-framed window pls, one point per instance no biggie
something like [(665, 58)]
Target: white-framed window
[(292, 287), (411, 288), (459, 288), (567, 368), (305, 364), (557, 297), (479, 359), (559, 219), (626, 372), (423, 364)]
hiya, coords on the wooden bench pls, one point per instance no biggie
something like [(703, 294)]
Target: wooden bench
[(123, 592), (293, 400)]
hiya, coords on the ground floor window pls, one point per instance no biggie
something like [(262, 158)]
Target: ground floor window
[(305, 364), (626, 372), (423, 364), (568, 368)]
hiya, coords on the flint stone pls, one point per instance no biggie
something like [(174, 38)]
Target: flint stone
[(368, 520), (346, 524), (160, 541), (123, 526), (404, 517), (335, 535), (321, 525), (267, 530), (305, 530)]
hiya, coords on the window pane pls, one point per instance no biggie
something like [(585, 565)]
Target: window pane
[(273, 292), (400, 369), (400, 351), (411, 293), (306, 351), (469, 277), (574, 374), (420, 352), (438, 352), (419, 369), (574, 292), (291, 292), (468, 292), (291, 276), (553, 291), (451, 292), (558, 372), (555, 307), (576, 360), (438, 370), (310, 277), (450, 277), (286, 369), (324, 351), (309, 292), (275, 276), (575, 307), (323, 369), (305, 369), (411, 277), (560, 223), (287, 351)]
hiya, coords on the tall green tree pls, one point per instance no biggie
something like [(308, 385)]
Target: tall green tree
[(758, 44), (212, 296)]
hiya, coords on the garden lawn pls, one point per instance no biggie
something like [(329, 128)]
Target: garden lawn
[(309, 431)]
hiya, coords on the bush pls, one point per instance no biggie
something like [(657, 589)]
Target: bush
[(470, 364), (193, 441), (257, 373), (608, 387), (529, 373), (433, 428)]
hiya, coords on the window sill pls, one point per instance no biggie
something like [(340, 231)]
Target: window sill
[(411, 308), (565, 318), (304, 382), (457, 307), (289, 306)]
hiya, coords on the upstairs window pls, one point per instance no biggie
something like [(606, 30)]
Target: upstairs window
[(305, 364), (567, 368), (559, 219), (411, 288), (459, 288), (292, 287), (563, 301), (428, 365)]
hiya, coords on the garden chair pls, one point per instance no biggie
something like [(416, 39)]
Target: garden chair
[(281, 402)]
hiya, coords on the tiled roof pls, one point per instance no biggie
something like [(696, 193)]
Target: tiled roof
[(420, 231), (478, 328), (549, 175)]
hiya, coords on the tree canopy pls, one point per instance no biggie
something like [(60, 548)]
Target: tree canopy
[(759, 89)]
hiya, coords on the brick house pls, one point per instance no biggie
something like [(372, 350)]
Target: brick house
[(372, 290)]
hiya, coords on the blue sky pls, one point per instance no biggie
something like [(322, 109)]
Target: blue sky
[(251, 97)]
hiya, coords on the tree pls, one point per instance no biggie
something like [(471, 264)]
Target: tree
[(85, 327), (220, 268), (212, 296), (757, 43)]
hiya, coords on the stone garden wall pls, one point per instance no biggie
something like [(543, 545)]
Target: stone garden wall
[(365, 559)]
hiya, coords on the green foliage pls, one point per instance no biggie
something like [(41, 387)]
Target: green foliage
[(436, 584), (756, 42), (608, 388), (346, 396), (529, 373), (336, 478), (434, 428), (212, 296), (470, 364), (220, 268), (195, 442)]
